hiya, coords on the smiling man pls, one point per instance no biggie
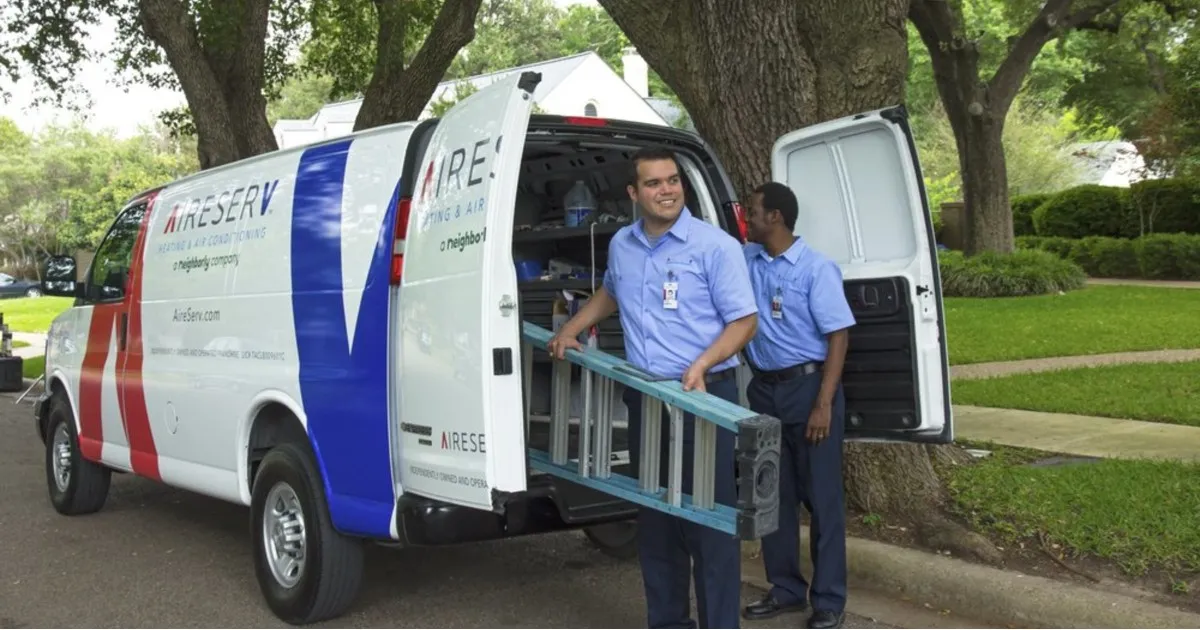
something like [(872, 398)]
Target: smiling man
[(683, 290)]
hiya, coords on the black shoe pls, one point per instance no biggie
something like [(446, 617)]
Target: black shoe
[(768, 607), (826, 619)]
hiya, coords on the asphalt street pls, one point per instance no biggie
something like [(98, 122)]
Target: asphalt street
[(159, 557)]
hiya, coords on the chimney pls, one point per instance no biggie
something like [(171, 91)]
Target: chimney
[(637, 72)]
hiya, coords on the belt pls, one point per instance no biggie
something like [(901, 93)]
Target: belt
[(787, 373)]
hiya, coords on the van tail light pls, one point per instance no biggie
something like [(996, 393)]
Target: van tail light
[(739, 217), (402, 212), (586, 121)]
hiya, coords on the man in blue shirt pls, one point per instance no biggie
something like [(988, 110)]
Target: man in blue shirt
[(686, 308), (796, 358)]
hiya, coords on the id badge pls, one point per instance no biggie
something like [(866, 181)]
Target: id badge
[(777, 306), (670, 295)]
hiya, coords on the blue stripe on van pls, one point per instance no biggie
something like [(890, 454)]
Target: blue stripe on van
[(343, 390)]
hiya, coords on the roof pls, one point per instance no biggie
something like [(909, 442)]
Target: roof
[(554, 72)]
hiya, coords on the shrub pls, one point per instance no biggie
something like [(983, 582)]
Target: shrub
[(1022, 212), (1087, 210), (1154, 256), (1023, 272), (1166, 205)]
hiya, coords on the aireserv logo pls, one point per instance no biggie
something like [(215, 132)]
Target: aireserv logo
[(224, 207)]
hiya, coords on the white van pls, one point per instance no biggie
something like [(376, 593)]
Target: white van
[(328, 334)]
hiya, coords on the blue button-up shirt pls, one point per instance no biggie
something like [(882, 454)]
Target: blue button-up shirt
[(713, 290), (813, 305)]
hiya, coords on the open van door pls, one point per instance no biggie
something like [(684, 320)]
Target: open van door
[(462, 428), (862, 203)]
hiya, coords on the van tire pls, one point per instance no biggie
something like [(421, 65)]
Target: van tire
[(328, 580), (617, 539), (77, 486)]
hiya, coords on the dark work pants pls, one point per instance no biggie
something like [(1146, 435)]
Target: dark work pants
[(810, 474), (669, 546)]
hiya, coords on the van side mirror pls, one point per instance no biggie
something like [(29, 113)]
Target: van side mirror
[(59, 277)]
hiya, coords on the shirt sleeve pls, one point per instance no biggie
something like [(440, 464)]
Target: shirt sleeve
[(827, 299), (729, 281), (610, 280)]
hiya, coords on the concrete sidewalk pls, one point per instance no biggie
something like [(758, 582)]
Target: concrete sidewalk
[(1078, 435), (1162, 284), (1049, 364)]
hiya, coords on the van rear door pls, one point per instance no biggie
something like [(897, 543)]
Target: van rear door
[(862, 203), (462, 429)]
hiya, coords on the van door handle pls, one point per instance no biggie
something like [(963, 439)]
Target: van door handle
[(124, 329)]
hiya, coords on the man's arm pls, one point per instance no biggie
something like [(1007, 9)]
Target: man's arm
[(835, 360), (831, 312), (729, 284)]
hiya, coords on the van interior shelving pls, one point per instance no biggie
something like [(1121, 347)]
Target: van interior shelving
[(549, 169)]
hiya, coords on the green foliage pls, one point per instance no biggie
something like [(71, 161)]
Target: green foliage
[(1153, 256), (1139, 514), (60, 189), (1091, 320), (1166, 205), (1155, 392), (992, 274), (1086, 210), (1022, 211)]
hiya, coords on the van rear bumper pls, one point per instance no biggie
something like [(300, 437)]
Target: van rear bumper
[(550, 504)]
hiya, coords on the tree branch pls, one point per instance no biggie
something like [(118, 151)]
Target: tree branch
[(1052, 19), (398, 93)]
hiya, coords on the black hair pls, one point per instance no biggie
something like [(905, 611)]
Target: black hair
[(776, 196), (648, 154)]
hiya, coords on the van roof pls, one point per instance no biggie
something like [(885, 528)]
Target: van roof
[(551, 122)]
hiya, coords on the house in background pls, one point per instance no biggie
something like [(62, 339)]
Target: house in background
[(1109, 163), (578, 85)]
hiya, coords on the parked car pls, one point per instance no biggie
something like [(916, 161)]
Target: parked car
[(11, 287)]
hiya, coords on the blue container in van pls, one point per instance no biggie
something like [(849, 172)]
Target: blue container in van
[(579, 204)]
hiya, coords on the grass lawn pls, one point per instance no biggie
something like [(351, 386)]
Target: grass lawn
[(1155, 392), (33, 367), (33, 314), (1140, 514), (1093, 320)]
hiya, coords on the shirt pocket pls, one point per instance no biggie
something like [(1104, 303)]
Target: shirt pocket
[(692, 293)]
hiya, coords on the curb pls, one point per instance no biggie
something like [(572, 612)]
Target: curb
[(986, 594)]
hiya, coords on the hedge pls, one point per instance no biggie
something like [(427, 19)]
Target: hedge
[(1023, 272), (1162, 206), (1152, 257)]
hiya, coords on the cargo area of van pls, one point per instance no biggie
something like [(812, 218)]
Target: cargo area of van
[(572, 199)]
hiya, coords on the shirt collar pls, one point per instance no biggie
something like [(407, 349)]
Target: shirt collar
[(680, 229), (791, 254)]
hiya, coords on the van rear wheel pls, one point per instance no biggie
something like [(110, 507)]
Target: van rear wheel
[(307, 571), (76, 485), (618, 539)]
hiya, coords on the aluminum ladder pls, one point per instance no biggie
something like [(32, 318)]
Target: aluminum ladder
[(756, 450)]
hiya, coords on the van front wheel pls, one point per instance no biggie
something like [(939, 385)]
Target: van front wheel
[(307, 571), (77, 486)]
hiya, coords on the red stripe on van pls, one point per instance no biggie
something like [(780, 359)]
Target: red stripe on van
[(142, 452), (91, 380)]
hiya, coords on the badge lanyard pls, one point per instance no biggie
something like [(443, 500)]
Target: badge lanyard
[(777, 304), (671, 292)]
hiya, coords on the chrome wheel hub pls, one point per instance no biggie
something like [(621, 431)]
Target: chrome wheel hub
[(60, 460), (283, 535)]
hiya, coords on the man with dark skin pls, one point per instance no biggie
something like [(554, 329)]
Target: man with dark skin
[(796, 358), (686, 309)]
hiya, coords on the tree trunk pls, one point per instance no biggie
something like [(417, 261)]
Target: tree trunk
[(221, 76), (776, 66), (397, 93), (985, 186), (977, 109)]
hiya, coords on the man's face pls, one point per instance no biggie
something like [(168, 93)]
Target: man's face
[(659, 190), (758, 224)]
